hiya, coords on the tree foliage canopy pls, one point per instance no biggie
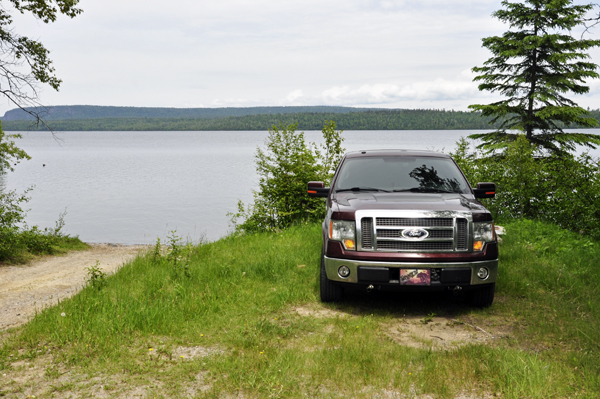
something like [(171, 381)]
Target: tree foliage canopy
[(284, 168), (534, 66), (560, 189), (24, 62)]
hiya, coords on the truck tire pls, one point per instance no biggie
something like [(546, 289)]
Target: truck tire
[(484, 296), (330, 292)]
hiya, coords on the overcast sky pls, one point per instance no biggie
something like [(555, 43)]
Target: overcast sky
[(240, 53)]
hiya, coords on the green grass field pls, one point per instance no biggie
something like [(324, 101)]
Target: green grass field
[(240, 317)]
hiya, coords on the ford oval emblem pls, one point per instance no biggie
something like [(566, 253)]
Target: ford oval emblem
[(415, 234)]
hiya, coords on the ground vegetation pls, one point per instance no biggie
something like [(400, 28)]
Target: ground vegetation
[(246, 321)]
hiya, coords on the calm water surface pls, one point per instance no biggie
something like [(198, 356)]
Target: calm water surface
[(132, 187)]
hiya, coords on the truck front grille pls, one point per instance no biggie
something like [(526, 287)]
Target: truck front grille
[(442, 234), (381, 233), (415, 246), (410, 222)]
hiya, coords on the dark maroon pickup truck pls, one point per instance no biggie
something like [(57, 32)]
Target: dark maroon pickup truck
[(406, 220)]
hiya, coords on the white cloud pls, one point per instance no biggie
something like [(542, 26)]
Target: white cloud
[(294, 96), (439, 89), (389, 94)]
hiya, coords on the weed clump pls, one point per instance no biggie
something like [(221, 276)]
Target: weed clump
[(96, 277), (177, 255)]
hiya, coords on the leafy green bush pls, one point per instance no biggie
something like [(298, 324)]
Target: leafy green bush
[(11, 215), (564, 190), (18, 242), (284, 168)]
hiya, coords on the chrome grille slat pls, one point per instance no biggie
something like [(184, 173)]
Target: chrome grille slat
[(461, 234), (367, 233), (414, 222), (416, 246)]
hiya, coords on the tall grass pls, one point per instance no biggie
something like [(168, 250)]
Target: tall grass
[(239, 297)]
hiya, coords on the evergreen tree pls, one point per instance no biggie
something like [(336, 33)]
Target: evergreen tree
[(534, 66)]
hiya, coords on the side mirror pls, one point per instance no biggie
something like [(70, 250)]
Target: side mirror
[(485, 190), (317, 189)]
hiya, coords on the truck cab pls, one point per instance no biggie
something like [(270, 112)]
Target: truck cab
[(406, 220)]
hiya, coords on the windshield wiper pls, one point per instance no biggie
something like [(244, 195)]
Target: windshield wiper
[(361, 189), (424, 190)]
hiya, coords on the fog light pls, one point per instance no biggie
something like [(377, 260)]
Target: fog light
[(483, 273), (344, 271)]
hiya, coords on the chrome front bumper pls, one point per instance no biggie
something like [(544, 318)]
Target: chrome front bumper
[(332, 265)]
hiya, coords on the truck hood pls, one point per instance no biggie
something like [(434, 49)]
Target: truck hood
[(351, 202)]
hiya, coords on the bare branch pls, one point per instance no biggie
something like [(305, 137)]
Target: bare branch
[(25, 63), (595, 20)]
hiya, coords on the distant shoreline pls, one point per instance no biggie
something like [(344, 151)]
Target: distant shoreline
[(93, 118)]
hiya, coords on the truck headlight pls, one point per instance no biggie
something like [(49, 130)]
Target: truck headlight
[(344, 231), (482, 233)]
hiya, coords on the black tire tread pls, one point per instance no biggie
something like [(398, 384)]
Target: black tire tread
[(330, 292), (483, 297)]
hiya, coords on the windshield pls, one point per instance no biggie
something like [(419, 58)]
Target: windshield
[(402, 173)]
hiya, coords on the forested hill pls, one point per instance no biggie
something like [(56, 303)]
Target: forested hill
[(65, 112), (345, 117)]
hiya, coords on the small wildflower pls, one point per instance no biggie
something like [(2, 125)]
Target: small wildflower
[(150, 349), (182, 356), (202, 335), (409, 373), (63, 314), (261, 352)]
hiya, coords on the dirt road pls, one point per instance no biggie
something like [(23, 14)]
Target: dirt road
[(23, 289)]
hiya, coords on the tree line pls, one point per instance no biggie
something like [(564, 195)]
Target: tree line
[(418, 119)]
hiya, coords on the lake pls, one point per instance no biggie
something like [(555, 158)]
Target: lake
[(132, 187)]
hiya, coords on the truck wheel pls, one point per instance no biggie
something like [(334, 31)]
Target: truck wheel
[(330, 292), (484, 296)]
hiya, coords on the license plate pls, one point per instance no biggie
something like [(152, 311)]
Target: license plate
[(415, 277)]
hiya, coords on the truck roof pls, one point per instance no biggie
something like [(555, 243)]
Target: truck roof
[(396, 153)]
